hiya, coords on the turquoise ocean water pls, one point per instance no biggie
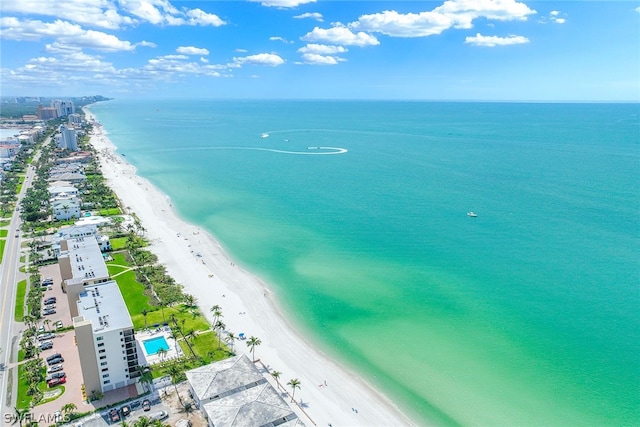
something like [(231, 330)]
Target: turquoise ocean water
[(528, 314)]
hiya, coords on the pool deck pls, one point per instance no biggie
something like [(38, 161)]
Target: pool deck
[(174, 351)]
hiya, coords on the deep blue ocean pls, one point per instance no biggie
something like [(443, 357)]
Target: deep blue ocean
[(528, 314)]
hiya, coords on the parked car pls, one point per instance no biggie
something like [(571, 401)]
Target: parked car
[(50, 300), (51, 304), (146, 405), (160, 415), (56, 376), (57, 381), (48, 312), (58, 324), (46, 345), (125, 411), (46, 336), (55, 361), (135, 404), (114, 416), (54, 368), (54, 356), (41, 329)]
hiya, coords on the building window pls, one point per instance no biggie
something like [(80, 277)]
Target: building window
[(120, 332), (106, 382), (103, 363), (102, 351), (105, 369), (103, 357), (105, 376), (101, 344), (99, 338)]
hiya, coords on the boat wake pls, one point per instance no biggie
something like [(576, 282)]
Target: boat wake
[(311, 151)]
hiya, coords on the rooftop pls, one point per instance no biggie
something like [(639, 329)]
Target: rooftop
[(233, 392), (104, 307), (86, 259)]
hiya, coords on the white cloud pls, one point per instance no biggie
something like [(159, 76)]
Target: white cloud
[(322, 49), (65, 34), (396, 24), (191, 50), (283, 3), (451, 14), (311, 15), (554, 13), (162, 12), (340, 35), (241, 50), (315, 59), (279, 39), (101, 13), (491, 41), (204, 60), (112, 14), (270, 59), (638, 9), (559, 20)]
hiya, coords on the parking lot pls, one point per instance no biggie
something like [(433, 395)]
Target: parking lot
[(102, 418)]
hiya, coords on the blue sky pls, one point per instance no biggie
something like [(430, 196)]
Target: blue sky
[(443, 50)]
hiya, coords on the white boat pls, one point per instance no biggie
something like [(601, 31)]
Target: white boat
[(472, 214), (264, 135)]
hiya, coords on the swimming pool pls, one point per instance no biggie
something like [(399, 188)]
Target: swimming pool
[(154, 345)]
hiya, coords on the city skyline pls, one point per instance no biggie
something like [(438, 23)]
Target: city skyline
[(485, 50)]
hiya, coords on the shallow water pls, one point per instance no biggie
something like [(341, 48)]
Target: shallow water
[(527, 314)]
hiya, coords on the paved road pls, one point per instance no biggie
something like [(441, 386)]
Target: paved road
[(9, 277)]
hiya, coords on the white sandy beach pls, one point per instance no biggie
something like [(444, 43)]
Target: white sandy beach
[(247, 304)]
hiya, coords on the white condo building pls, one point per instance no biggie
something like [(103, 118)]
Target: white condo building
[(68, 138), (105, 339)]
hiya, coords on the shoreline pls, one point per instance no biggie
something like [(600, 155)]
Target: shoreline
[(331, 394)]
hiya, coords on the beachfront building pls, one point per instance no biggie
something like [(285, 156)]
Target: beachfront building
[(62, 190), (232, 392), (72, 177), (105, 339), (81, 264), (76, 157), (66, 209), (63, 108), (78, 231), (75, 119), (68, 138)]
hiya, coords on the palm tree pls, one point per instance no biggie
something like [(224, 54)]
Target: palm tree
[(252, 343), (46, 324), (294, 384), (162, 305), (190, 300), (162, 353), (144, 315), (68, 408), (175, 372), (219, 326), (146, 377), (276, 376), (231, 338), (142, 422), (217, 313)]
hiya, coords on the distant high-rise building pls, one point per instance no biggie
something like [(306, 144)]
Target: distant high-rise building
[(46, 113), (68, 139), (64, 108), (75, 119)]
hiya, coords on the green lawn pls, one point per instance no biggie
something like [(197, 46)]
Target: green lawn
[(199, 323), (4, 233), (20, 293), (132, 292), (118, 243), (2, 244), (4, 223), (205, 346), (23, 401), (109, 212)]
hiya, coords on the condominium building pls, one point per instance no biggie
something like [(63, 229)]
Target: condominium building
[(63, 108), (68, 138), (46, 113), (105, 338), (81, 264), (75, 119)]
